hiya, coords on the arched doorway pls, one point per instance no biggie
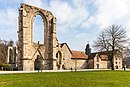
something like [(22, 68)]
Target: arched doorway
[(38, 63), (116, 67)]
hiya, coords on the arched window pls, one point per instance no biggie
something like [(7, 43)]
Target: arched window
[(10, 56), (38, 29), (59, 57)]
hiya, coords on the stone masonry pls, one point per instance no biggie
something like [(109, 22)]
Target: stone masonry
[(27, 49)]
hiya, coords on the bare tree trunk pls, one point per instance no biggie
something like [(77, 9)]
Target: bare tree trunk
[(112, 65), (112, 56)]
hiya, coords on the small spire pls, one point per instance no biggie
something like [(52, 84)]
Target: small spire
[(88, 49)]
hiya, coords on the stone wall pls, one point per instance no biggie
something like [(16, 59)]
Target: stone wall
[(104, 63), (66, 57), (117, 60), (98, 61), (90, 64), (26, 47)]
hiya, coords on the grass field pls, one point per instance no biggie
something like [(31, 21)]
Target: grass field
[(67, 79)]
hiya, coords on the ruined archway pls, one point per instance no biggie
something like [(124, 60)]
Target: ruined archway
[(26, 48), (10, 56)]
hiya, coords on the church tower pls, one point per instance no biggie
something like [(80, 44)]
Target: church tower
[(88, 50)]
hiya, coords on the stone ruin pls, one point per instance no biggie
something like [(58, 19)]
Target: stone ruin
[(30, 53)]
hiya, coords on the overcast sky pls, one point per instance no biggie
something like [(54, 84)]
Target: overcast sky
[(78, 21)]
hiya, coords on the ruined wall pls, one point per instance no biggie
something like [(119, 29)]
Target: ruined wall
[(26, 47), (11, 55)]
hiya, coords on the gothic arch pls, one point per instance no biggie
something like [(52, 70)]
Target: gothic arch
[(44, 20), (26, 46), (59, 56), (10, 56)]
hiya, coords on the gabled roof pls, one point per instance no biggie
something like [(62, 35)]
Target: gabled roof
[(78, 55), (103, 55), (106, 52), (92, 55), (75, 54), (62, 44)]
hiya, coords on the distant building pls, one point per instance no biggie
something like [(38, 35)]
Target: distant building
[(67, 59), (100, 60), (70, 59)]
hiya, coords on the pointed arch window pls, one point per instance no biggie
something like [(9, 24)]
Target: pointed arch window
[(59, 57), (38, 29)]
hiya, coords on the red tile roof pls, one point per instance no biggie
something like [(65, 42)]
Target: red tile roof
[(78, 55)]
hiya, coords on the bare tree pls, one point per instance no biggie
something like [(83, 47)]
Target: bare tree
[(126, 56), (111, 39)]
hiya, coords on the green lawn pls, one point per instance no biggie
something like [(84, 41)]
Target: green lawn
[(68, 79)]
